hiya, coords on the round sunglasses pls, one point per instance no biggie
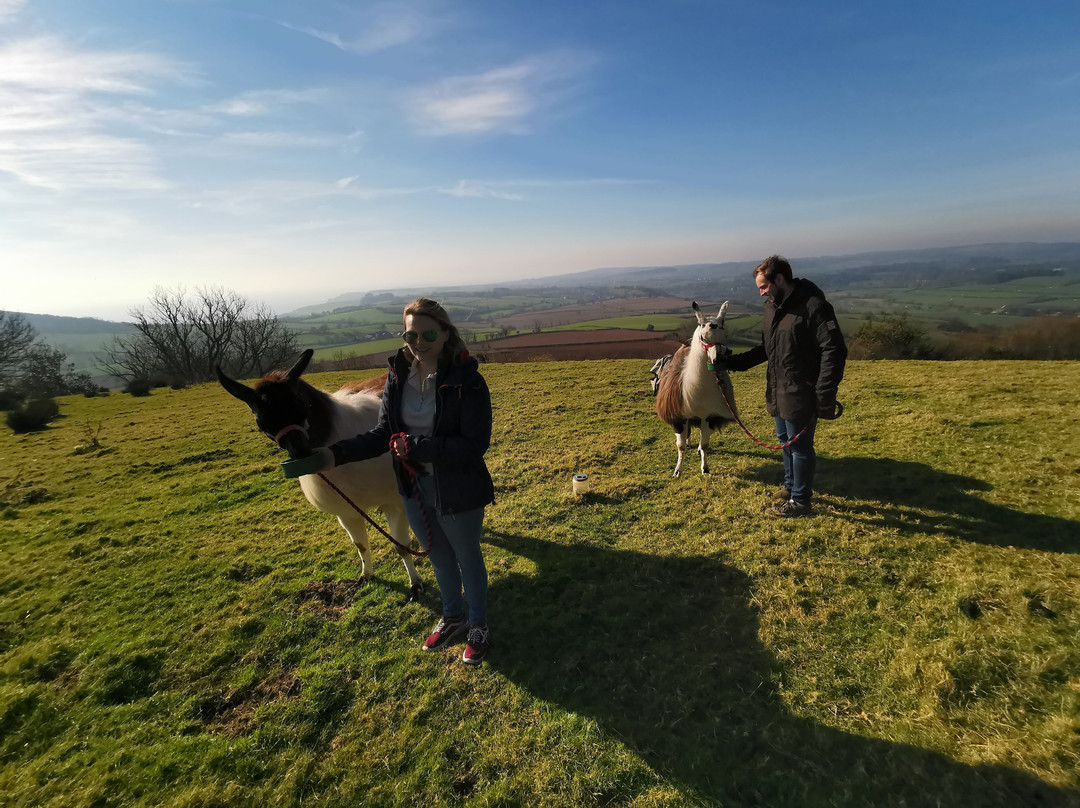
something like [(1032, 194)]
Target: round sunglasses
[(429, 335)]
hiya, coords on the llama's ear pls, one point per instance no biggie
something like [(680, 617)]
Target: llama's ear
[(722, 313), (242, 392), (300, 366), (697, 313)]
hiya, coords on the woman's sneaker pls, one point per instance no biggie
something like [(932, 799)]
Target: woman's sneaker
[(476, 645), (446, 631)]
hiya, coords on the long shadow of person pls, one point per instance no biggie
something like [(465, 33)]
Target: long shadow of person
[(917, 498), (664, 653)]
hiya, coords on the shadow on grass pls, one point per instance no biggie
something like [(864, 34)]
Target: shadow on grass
[(664, 654), (916, 498)]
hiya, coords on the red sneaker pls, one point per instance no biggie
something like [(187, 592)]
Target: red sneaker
[(476, 645), (446, 631)]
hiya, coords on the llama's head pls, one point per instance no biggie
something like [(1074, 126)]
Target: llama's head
[(710, 331), (280, 408)]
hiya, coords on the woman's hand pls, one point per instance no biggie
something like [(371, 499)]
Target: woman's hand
[(399, 445), (319, 460)]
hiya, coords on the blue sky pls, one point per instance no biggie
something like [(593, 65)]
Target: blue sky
[(295, 151)]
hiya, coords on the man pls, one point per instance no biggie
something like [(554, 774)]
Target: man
[(806, 352)]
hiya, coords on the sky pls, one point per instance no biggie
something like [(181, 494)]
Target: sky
[(295, 151)]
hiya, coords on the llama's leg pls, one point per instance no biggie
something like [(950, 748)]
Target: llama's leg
[(399, 529), (703, 444), (357, 531), (682, 437)]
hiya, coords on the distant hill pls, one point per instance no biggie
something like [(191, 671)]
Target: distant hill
[(969, 263), (966, 286), (80, 338)]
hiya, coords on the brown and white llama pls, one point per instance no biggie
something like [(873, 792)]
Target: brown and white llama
[(687, 393), (300, 418)]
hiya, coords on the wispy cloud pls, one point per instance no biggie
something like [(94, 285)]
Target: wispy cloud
[(50, 64), (468, 188), (505, 99), (263, 102), (381, 28), (53, 133), (9, 9), (288, 140), (513, 190)]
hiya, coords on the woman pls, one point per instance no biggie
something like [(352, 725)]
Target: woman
[(436, 421)]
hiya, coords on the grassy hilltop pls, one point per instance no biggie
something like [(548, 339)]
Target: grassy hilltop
[(179, 628)]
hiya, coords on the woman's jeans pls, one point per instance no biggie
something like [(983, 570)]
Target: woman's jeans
[(799, 459), (454, 552)]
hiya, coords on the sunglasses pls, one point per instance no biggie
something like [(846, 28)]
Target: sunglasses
[(429, 335)]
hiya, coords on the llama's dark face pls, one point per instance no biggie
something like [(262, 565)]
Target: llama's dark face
[(277, 407), (281, 411)]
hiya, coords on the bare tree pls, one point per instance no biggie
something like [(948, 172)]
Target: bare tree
[(16, 337), (180, 339)]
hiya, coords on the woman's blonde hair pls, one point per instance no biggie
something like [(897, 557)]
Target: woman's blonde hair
[(454, 350)]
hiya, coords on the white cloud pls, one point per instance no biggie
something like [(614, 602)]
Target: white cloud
[(505, 99), (383, 27), (56, 102), (469, 188), (49, 64), (265, 200), (280, 139), (79, 161), (9, 9), (263, 102)]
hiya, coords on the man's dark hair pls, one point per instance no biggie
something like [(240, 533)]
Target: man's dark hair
[(772, 266)]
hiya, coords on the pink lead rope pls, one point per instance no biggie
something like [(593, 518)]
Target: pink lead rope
[(705, 346)]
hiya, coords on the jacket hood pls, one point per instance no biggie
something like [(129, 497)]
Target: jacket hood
[(809, 288)]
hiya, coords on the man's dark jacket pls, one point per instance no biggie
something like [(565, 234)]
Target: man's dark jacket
[(456, 447), (805, 351)]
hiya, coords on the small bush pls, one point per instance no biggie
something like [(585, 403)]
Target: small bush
[(892, 337), (33, 415), (138, 387), (9, 399)]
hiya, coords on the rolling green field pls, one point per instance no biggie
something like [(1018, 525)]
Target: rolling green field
[(179, 628)]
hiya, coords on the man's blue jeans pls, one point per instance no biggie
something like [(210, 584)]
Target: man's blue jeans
[(799, 459), (455, 552)]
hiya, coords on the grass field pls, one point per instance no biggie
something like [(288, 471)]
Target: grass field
[(179, 628)]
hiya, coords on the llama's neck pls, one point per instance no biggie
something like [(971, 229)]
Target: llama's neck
[(696, 375)]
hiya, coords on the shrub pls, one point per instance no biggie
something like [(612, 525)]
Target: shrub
[(9, 399), (1048, 337), (33, 415), (892, 337), (138, 387)]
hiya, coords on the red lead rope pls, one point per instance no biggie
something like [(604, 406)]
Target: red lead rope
[(376, 525), (731, 409), (413, 473)]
